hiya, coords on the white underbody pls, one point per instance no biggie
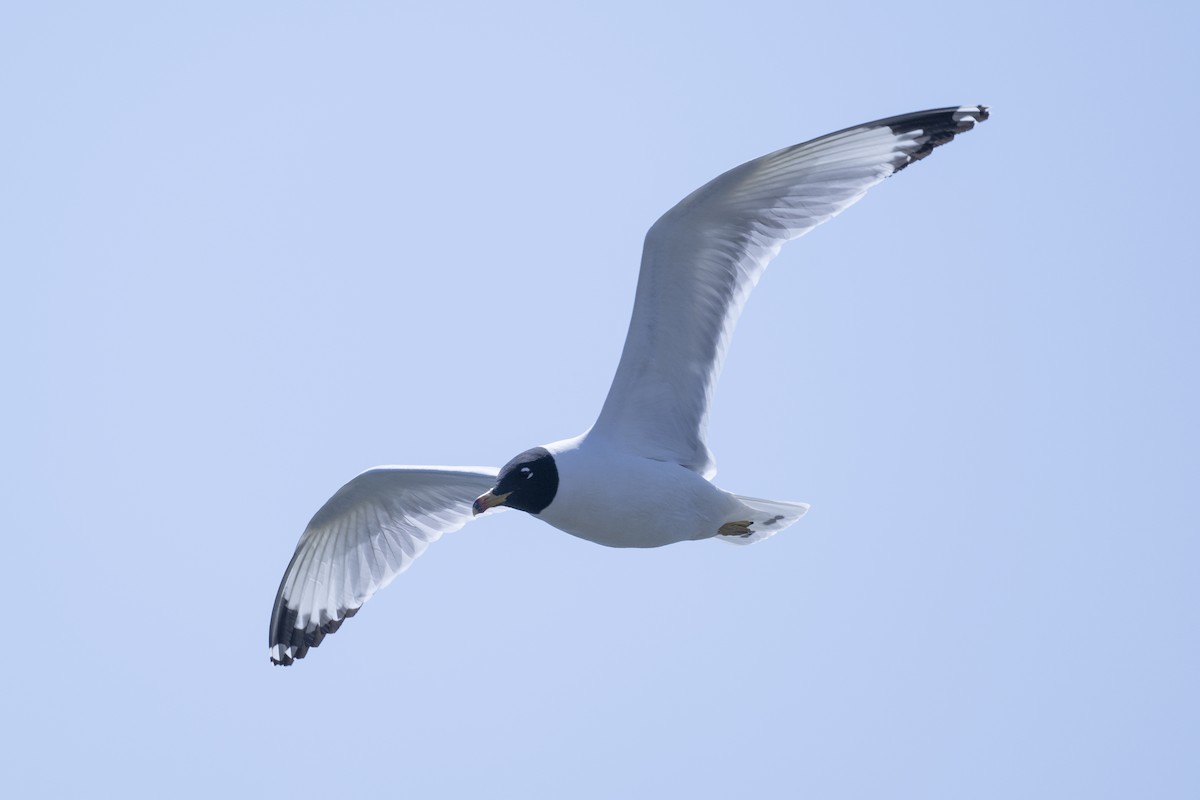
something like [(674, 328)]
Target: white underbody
[(618, 499)]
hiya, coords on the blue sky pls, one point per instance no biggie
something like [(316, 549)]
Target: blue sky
[(250, 252)]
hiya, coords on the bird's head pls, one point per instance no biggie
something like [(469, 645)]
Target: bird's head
[(527, 483)]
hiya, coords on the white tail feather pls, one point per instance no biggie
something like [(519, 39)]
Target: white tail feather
[(767, 517)]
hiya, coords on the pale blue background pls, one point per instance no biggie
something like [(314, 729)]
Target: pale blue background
[(249, 252)]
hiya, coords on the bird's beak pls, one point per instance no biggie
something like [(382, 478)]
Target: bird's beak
[(488, 499)]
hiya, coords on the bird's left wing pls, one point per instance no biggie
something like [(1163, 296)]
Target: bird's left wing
[(362, 538)]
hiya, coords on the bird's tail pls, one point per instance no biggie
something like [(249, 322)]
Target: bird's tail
[(767, 518)]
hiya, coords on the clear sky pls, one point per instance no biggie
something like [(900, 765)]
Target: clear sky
[(249, 252)]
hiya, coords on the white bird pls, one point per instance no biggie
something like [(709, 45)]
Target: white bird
[(640, 476)]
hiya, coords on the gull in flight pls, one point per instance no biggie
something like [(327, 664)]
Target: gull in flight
[(641, 475)]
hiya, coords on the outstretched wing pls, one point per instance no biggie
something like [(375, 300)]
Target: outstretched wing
[(702, 258), (362, 538)]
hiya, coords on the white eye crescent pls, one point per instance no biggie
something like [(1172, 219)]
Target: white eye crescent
[(528, 472)]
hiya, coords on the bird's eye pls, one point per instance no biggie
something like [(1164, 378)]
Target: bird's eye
[(528, 472)]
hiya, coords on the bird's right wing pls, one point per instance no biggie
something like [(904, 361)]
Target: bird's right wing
[(702, 258), (362, 538)]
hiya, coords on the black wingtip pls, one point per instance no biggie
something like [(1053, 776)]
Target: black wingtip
[(289, 643), (936, 127)]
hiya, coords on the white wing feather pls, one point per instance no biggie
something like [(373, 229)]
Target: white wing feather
[(362, 538), (702, 258)]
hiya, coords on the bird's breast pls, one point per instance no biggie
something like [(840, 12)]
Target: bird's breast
[(629, 501)]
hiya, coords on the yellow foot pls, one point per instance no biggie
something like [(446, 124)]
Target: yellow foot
[(739, 528)]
